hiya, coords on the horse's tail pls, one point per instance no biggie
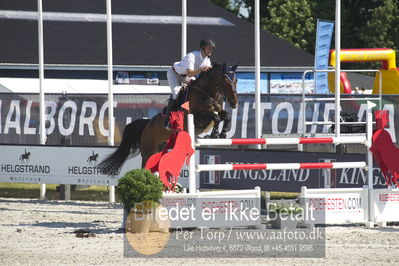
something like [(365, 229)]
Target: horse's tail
[(130, 144)]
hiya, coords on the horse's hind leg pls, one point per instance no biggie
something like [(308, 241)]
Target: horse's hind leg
[(147, 151), (215, 131)]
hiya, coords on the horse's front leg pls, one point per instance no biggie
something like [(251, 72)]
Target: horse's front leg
[(224, 116), (204, 121), (215, 129)]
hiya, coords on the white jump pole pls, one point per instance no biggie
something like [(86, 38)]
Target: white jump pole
[(192, 175), (369, 132), (42, 130), (258, 121), (337, 67), (283, 141), (111, 124), (183, 28), (279, 166)]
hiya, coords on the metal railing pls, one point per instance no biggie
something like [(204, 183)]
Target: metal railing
[(366, 98)]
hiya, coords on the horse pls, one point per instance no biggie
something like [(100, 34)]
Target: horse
[(25, 157), (206, 96), (92, 158)]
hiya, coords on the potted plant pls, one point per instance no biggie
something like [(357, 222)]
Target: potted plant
[(140, 192)]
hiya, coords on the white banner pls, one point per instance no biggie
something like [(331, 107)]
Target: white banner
[(64, 165), (58, 165), (337, 206), (385, 205), (213, 208)]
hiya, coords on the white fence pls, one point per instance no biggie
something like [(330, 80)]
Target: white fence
[(337, 206), (352, 205), (214, 208), (384, 205)]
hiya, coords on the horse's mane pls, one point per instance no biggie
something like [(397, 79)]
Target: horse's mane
[(209, 82), (207, 75)]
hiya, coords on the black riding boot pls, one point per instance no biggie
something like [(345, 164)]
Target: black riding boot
[(171, 105)]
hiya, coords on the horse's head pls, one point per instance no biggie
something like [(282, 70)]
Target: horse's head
[(224, 80), (229, 85)]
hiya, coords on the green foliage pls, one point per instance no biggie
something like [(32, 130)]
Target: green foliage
[(381, 29), (137, 186), (249, 5), (364, 24), (232, 6), (32, 191), (284, 207), (292, 21)]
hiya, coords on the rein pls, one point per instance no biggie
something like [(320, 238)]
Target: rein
[(219, 91), (206, 92)]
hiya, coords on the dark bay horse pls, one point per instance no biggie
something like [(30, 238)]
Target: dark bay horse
[(206, 96)]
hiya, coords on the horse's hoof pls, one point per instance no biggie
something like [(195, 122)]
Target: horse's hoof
[(222, 135)]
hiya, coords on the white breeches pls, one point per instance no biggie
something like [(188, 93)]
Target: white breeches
[(175, 81)]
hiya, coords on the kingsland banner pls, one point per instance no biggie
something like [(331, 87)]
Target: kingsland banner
[(288, 180), (83, 119)]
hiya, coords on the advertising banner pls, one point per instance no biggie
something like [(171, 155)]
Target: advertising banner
[(337, 206), (283, 180), (65, 165), (83, 119), (323, 41), (58, 165), (385, 203), (291, 83), (213, 209), (72, 119)]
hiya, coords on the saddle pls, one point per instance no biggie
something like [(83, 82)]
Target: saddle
[(181, 98)]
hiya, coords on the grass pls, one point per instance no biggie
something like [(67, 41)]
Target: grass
[(283, 195), (32, 191), (92, 193)]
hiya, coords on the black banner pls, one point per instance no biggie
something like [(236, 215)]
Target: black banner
[(283, 180), (82, 119), (72, 119)]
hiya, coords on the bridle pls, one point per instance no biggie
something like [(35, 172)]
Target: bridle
[(229, 77)]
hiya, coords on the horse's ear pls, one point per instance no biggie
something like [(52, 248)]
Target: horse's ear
[(234, 68), (224, 67)]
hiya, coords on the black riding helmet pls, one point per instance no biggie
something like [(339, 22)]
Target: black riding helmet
[(206, 42)]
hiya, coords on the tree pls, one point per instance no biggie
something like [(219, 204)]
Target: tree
[(381, 29), (364, 24), (232, 6), (292, 21), (250, 6)]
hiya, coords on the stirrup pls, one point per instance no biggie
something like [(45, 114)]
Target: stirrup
[(166, 123)]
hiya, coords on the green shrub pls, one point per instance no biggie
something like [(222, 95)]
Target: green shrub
[(137, 186)]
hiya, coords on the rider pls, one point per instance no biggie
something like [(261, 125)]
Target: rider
[(185, 70)]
